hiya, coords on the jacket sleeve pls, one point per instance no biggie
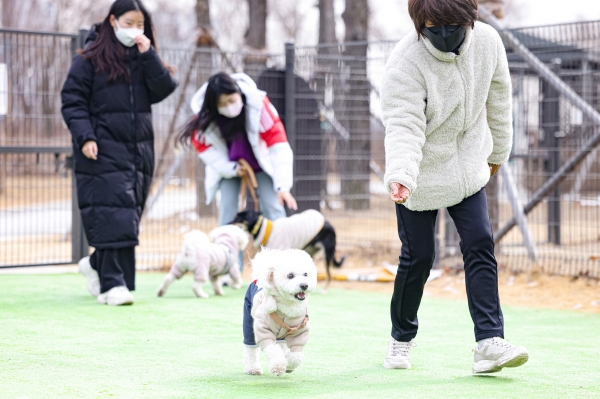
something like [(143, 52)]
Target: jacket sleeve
[(75, 96), (499, 109), (282, 157), (159, 81), (403, 97), (215, 159)]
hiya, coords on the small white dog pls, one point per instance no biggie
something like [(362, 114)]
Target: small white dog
[(275, 309), (209, 257)]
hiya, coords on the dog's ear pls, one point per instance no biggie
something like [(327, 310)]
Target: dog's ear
[(241, 236), (271, 278), (263, 267)]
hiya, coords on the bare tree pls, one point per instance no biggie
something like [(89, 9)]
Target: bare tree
[(205, 35), (230, 28), (495, 6), (256, 36), (356, 18), (289, 16), (356, 112), (326, 22), (9, 13), (73, 15), (204, 40)]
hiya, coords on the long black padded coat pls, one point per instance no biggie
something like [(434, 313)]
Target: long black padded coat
[(117, 115)]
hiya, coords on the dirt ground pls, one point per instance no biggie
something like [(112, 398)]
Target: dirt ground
[(533, 289), (543, 291)]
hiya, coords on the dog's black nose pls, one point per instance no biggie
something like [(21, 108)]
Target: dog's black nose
[(303, 287)]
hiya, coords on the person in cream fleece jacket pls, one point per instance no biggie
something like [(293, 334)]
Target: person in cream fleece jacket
[(446, 106)]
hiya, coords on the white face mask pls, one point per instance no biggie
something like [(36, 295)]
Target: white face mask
[(232, 110), (127, 35)]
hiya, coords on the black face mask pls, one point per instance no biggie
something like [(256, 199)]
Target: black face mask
[(446, 38)]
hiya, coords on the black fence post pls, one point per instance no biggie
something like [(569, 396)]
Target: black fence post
[(79, 244), (550, 123), (290, 94)]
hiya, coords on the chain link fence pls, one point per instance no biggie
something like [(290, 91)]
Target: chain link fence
[(328, 97), (36, 197)]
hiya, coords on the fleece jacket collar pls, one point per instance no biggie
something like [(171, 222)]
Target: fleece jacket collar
[(449, 57)]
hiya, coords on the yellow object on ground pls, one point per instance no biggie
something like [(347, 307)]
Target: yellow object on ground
[(379, 276)]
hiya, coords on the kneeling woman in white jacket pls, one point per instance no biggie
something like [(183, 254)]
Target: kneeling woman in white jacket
[(446, 102), (235, 120)]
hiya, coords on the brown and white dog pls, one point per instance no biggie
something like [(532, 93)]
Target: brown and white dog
[(209, 258)]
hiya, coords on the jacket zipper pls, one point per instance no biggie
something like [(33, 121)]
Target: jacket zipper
[(132, 103), (462, 171)]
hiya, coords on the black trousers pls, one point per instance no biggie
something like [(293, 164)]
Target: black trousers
[(115, 267), (416, 231)]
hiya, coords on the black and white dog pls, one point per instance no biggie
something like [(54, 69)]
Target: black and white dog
[(307, 230)]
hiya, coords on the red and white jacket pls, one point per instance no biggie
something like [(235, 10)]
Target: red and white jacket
[(266, 135)]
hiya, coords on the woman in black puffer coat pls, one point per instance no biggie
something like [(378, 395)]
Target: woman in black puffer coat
[(106, 103)]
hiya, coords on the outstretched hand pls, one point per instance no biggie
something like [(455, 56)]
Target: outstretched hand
[(399, 193), (285, 197)]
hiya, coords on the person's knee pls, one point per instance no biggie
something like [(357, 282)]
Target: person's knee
[(422, 256), (478, 241), (425, 259)]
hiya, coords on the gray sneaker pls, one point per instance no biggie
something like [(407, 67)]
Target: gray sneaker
[(495, 354), (398, 354)]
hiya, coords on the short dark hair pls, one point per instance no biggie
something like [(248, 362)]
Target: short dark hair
[(442, 12)]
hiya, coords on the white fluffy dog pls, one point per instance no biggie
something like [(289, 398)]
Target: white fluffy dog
[(276, 309), (209, 257)]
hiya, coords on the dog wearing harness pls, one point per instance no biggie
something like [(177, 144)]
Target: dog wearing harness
[(209, 257), (275, 310), (306, 230)]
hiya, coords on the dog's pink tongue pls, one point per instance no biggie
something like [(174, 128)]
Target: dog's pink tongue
[(301, 295)]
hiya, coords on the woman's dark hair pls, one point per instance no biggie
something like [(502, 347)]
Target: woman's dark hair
[(218, 84), (107, 54), (442, 12)]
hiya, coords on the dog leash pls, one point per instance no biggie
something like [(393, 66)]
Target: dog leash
[(291, 330), (249, 183)]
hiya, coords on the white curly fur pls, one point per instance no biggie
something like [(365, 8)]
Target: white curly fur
[(196, 242), (240, 235), (280, 274)]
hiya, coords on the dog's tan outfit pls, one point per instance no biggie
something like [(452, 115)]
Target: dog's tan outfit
[(295, 231), (267, 330), (214, 259)]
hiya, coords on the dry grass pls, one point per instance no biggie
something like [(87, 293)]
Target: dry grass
[(533, 289)]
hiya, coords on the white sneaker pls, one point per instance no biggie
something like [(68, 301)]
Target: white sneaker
[(85, 268), (116, 296), (495, 354), (398, 355)]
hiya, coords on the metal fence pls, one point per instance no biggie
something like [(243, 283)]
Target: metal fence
[(328, 97), (38, 222), (548, 131)]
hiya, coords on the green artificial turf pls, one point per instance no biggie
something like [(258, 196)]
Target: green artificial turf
[(55, 341)]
